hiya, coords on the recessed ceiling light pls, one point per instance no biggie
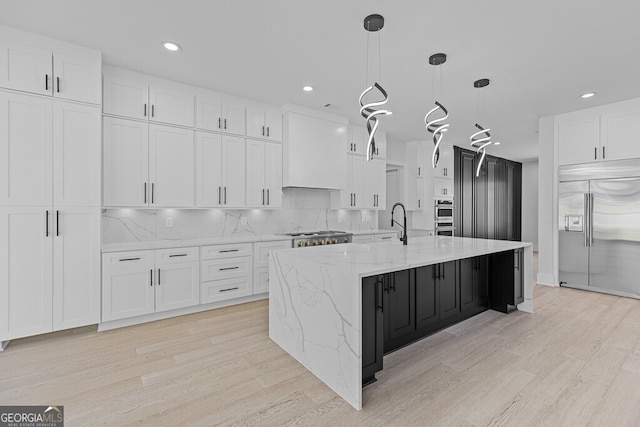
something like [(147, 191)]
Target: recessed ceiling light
[(307, 88), (496, 143), (173, 47), (587, 95)]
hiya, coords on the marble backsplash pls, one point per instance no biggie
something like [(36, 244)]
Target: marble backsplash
[(303, 209)]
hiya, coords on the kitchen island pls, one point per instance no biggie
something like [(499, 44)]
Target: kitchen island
[(318, 312)]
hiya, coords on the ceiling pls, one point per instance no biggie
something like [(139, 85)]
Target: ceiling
[(539, 55)]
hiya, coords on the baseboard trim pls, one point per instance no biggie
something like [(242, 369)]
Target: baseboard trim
[(4, 344), (546, 279)]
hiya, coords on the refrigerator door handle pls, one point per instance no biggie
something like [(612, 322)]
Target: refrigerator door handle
[(587, 215), (590, 219)]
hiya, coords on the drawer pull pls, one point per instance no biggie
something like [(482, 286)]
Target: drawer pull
[(229, 268), (385, 238), (230, 289), (228, 250), (129, 259), (175, 255)]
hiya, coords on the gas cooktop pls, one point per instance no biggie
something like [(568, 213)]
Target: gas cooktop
[(315, 233)]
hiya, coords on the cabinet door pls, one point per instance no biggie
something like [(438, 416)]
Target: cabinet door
[(358, 137), (261, 281), (445, 163), (125, 163), (76, 280), (177, 285), (256, 188), (261, 251), (172, 105), (25, 150), (125, 96), (381, 145), (209, 169), (372, 327), (273, 121), (256, 127), (25, 68), (76, 154), (208, 113), (127, 284), (518, 278), (171, 171), (400, 310), (421, 203), (427, 307), (448, 290), (513, 191), (77, 79), (357, 183), (233, 118), (369, 185), (621, 133), (468, 291), (273, 174), (494, 198), (380, 183), (578, 137), (465, 188), (226, 289), (26, 271), (233, 171)]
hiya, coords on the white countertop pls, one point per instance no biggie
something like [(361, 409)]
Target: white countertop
[(182, 243), (376, 258)]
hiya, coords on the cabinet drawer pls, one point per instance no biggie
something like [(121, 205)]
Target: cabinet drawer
[(220, 290), (127, 261), (177, 255), (261, 251), (388, 237), (216, 269), (363, 238), (226, 251)]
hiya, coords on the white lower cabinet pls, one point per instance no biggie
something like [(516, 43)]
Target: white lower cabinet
[(261, 251), (226, 272), (136, 283)]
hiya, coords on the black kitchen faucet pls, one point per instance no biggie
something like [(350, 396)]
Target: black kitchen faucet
[(404, 227)]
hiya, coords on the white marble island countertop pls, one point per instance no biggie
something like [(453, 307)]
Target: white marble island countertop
[(315, 298)]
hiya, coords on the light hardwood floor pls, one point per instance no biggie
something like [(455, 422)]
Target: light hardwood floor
[(576, 361)]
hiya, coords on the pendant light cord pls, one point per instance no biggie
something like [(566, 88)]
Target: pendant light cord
[(380, 56)]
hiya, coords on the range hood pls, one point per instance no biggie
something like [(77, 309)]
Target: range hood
[(314, 149)]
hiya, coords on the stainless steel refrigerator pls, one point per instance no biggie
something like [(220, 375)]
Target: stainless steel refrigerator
[(599, 227)]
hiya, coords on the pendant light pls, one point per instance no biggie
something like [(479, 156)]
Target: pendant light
[(481, 139), (373, 23), (435, 126)]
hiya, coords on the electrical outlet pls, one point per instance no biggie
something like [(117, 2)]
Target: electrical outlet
[(168, 221), (243, 220)]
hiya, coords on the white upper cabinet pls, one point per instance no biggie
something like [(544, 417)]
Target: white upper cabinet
[(220, 170), (416, 159), (44, 66), (125, 163), (264, 123), (77, 79), (353, 196), (25, 150), (620, 131), (171, 166), (25, 68), (375, 184), (216, 113), (578, 137), (444, 169), (264, 174), (381, 145), (171, 103), (125, 94), (357, 140), (76, 155), (138, 96)]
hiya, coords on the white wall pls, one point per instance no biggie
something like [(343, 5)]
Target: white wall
[(547, 201), (530, 203)]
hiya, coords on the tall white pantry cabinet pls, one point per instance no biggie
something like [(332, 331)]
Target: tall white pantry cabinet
[(50, 185)]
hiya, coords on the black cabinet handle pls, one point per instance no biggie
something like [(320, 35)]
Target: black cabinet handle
[(145, 192), (58, 82), (228, 250), (153, 110), (129, 259), (46, 82), (392, 286), (262, 130), (263, 197), (219, 123), (418, 170), (268, 201), (176, 255), (595, 153), (268, 127), (603, 155), (228, 268), (386, 238), (229, 289), (379, 293), (219, 195), (225, 195), (225, 124), (145, 110), (46, 224), (158, 277), (57, 223), (151, 277), (153, 185)]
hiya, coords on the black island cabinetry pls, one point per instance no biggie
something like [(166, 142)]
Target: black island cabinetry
[(401, 307)]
